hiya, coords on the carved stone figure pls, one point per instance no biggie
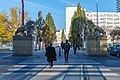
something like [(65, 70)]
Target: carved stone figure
[(20, 31), (26, 30), (30, 27)]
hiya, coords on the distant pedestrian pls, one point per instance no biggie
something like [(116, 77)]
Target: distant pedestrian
[(66, 50), (74, 47), (59, 50), (62, 45), (50, 54)]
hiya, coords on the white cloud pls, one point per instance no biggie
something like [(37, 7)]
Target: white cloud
[(65, 2), (36, 6)]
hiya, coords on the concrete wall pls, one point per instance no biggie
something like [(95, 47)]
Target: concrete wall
[(23, 45)]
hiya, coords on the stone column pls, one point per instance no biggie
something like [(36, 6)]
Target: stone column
[(103, 45)]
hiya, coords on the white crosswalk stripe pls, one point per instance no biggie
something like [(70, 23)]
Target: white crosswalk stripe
[(61, 72)]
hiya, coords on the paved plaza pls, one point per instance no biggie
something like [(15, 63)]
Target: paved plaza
[(79, 67)]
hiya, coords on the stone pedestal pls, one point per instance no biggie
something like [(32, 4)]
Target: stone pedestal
[(103, 45), (96, 47), (91, 45), (23, 45)]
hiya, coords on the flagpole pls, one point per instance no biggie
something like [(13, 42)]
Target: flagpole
[(22, 12), (97, 11)]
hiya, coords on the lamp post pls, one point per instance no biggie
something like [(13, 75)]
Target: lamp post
[(97, 15), (98, 33), (22, 12)]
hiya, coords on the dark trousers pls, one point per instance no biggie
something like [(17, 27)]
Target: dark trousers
[(50, 63), (74, 50), (66, 55), (61, 49)]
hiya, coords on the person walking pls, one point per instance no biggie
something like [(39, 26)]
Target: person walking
[(62, 45), (50, 54), (74, 47), (59, 50), (66, 50)]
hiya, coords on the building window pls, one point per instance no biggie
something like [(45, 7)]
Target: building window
[(116, 22), (109, 26), (116, 15), (109, 18), (109, 23), (102, 15), (103, 19), (116, 19), (109, 15)]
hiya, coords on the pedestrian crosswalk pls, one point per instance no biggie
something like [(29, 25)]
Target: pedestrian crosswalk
[(36, 71)]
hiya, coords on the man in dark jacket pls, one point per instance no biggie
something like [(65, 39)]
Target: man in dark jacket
[(66, 50), (74, 47), (50, 54)]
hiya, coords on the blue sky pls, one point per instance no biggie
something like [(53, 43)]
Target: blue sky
[(57, 7)]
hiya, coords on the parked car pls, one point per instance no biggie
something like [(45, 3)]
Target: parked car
[(109, 47), (111, 50), (115, 50)]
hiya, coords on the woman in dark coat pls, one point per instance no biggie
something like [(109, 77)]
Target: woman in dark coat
[(50, 54)]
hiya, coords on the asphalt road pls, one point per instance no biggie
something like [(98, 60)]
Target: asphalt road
[(79, 67)]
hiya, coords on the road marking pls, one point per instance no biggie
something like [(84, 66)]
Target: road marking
[(60, 63), (95, 74), (30, 66), (49, 71), (110, 74), (94, 69), (65, 71)]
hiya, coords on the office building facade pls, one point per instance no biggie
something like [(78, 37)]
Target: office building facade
[(106, 20)]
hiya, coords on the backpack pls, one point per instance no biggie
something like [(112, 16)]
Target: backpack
[(66, 46)]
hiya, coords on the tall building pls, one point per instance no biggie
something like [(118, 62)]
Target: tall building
[(69, 13), (118, 5), (58, 34), (58, 39), (106, 20)]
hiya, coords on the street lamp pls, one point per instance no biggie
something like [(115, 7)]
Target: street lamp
[(22, 12), (97, 14), (98, 33)]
